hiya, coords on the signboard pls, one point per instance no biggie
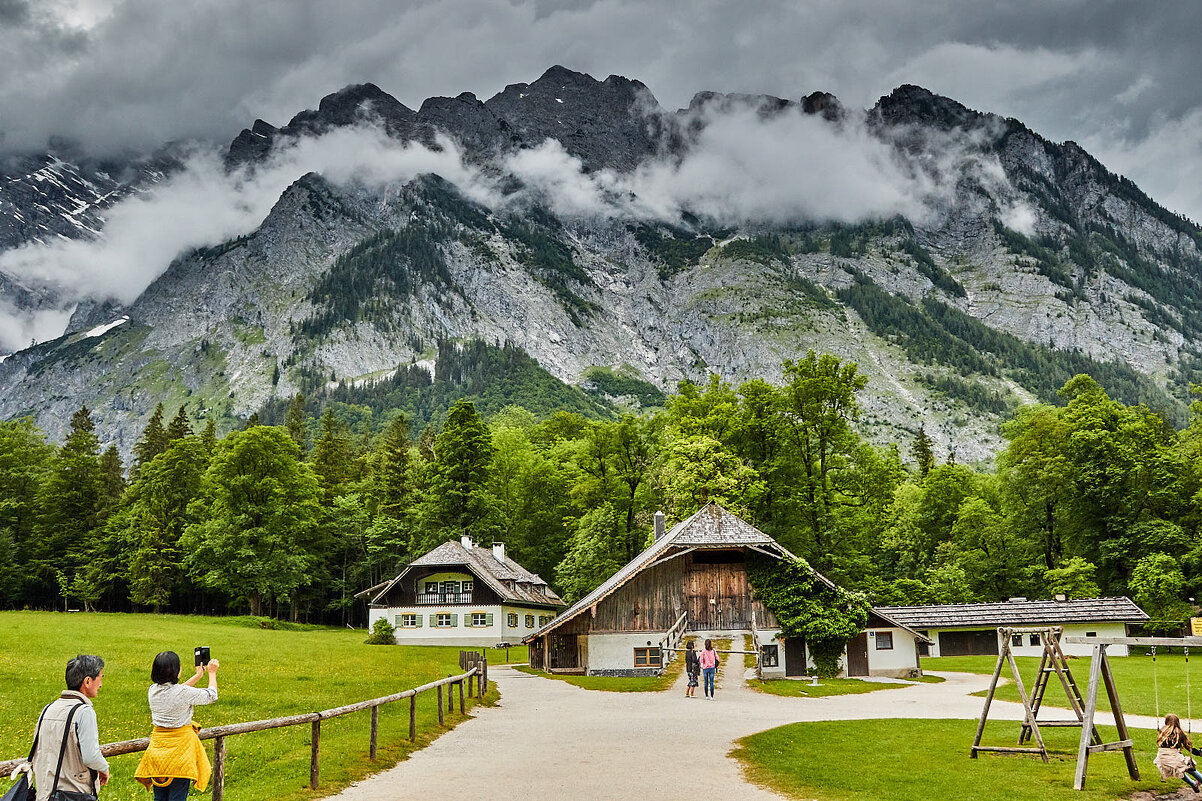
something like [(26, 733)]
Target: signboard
[(1195, 626)]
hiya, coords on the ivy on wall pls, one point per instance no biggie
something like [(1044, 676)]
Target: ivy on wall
[(805, 606)]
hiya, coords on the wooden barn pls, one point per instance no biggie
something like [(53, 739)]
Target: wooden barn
[(693, 580)]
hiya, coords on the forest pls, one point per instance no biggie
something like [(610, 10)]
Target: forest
[(1090, 496)]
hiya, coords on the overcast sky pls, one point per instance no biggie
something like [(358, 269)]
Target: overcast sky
[(1119, 77)]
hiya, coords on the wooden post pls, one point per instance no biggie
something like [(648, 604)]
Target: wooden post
[(461, 707), (440, 718), (1091, 703), (1022, 694), (486, 672), (413, 718), (997, 674), (1120, 722), (315, 755), (218, 769), (375, 727)]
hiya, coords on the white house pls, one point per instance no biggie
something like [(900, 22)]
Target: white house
[(693, 579), (963, 629), (463, 594)]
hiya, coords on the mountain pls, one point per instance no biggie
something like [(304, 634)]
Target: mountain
[(1025, 262)]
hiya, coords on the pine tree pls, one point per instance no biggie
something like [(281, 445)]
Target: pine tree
[(208, 437), (458, 502), (295, 422), (70, 503), (333, 453), (390, 470), (152, 443), (923, 454), (180, 427), (112, 481)]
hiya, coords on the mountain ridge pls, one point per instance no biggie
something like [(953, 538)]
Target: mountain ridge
[(1102, 272)]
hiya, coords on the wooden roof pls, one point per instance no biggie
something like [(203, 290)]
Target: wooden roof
[(1018, 612), (712, 527), (512, 582)]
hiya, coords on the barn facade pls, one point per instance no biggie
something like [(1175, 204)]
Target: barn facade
[(692, 580)]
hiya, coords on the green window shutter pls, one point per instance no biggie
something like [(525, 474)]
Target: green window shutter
[(397, 621), (489, 619), (454, 621), (419, 620), (433, 620)]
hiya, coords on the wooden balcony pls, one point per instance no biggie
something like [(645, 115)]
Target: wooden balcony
[(443, 598)]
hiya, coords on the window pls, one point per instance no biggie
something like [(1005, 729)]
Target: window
[(481, 619), (647, 657), (884, 641), (529, 621), (444, 620), (465, 587), (769, 656), (431, 587), (512, 620), (1091, 634), (543, 620), (408, 621), (1034, 639), (450, 588), (1016, 640)]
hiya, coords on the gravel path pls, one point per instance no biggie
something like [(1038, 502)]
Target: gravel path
[(549, 740)]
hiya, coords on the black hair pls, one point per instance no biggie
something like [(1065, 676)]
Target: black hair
[(689, 645), (165, 669), (708, 646), (84, 666)]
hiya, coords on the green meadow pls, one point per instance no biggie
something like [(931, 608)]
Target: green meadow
[(264, 674), (917, 760)]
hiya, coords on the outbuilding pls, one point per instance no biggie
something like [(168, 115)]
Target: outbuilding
[(971, 629), (462, 593), (692, 580)]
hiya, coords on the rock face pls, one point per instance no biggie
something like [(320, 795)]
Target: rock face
[(1037, 264)]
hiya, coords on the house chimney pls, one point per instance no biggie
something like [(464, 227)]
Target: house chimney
[(1061, 597), (466, 542), (659, 525), (498, 550)]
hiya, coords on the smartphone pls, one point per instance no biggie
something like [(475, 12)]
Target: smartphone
[(202, 655)]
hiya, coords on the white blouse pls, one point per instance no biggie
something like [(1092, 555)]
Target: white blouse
[(171, 704)]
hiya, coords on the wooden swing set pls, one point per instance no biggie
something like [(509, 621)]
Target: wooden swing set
[(1053, 661)]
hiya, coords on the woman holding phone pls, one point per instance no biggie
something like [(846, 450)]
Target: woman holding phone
[(175, 758)]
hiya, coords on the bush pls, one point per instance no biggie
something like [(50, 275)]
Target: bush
[(382, 633)]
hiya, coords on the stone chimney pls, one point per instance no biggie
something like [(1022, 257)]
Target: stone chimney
[(466, 542), (659, 525), (498, 550)]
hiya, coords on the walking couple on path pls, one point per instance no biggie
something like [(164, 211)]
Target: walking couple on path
[(694, 664)]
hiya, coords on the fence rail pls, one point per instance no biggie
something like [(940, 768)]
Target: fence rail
[(314, 719)]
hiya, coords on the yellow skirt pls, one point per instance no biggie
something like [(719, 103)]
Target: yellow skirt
[(174, 754)]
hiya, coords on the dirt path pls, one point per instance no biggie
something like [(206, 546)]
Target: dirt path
[(550, 740)]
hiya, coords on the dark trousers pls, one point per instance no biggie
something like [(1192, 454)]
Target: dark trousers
[(176, 791)]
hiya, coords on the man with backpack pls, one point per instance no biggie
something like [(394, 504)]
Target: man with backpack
[(66, 752)]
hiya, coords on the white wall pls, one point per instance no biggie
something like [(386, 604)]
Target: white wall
[(1070, 630), (461, 633), (616, 651), (899, 661)]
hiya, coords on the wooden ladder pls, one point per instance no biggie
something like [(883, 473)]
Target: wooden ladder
[(1053, 662)]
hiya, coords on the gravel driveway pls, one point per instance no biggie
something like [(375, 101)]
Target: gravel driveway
[(549, 740)]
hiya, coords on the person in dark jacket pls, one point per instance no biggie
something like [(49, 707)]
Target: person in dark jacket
[(692, 666)]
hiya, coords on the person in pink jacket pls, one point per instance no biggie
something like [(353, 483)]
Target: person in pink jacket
[(709, 666)]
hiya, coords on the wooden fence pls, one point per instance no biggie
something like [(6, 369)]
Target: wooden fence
[(479, 671)]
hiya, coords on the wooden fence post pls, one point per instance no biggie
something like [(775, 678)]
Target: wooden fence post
[(315, 755), (461, 708), (375, 727), (486, 673), (413, 718), (440, 718), (218, 769)]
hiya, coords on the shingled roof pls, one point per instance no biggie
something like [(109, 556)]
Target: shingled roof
[(1018, 612), (507, 578)]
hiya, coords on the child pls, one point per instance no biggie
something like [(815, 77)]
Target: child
[(692, 666), (1170, 741)]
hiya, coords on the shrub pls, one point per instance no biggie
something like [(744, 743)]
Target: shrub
[(382, 633)]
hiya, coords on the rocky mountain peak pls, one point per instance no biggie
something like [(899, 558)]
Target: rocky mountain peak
[(823, 103), (910, 104)]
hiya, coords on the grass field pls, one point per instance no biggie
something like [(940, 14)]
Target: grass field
[(1133, 676), (917, 760), (792, 688), (264, 674)]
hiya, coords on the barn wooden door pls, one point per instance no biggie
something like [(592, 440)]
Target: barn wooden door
[(795, 656), (857, 655)]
